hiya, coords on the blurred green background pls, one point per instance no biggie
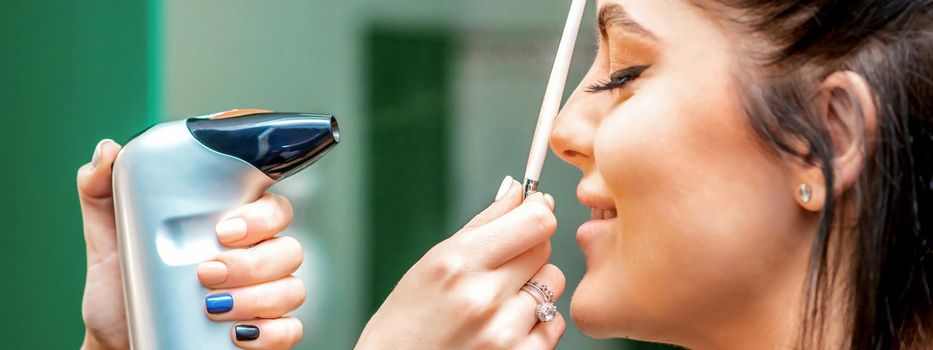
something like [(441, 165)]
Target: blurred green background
[(436, 99)]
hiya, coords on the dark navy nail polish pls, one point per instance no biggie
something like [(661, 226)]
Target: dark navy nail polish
[(219, 303), (246, 332)]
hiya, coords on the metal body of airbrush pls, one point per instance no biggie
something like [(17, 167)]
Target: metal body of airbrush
[(172, 183)]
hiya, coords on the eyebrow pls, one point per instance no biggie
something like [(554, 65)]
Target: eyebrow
[(615, 15)]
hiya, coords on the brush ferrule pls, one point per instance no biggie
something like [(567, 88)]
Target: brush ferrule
[(530, 186)]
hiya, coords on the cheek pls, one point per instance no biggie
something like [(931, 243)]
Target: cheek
[(696, 193)]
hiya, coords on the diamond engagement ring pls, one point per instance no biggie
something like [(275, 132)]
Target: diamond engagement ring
[(546, 310)]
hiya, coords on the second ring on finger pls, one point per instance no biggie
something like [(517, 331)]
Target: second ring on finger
[(515, 318), (539, 295), (546, 310)]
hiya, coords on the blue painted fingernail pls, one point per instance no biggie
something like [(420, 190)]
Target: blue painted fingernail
[(219, 303)]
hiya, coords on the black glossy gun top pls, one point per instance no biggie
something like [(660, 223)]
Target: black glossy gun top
[(278, 144)]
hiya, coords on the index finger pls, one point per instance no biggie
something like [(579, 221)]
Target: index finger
[(519, 230), (255, 222)]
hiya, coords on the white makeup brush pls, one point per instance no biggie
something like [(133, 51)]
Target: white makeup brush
[(552, 98)]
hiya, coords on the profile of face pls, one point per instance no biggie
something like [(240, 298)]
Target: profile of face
[(697, 235)]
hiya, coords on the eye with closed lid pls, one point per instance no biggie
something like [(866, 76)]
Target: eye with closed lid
[(619, 79)]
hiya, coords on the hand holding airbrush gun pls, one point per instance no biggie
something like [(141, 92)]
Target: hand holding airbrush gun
[(251, 283)]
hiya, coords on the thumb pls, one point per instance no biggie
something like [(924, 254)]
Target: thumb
[(95, 191)]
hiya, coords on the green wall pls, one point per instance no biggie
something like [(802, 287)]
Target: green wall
[(71, 73), (409, 111)]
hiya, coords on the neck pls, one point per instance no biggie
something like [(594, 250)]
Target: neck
[(778, 322)]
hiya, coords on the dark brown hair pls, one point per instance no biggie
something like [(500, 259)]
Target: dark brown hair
[(883, 222)]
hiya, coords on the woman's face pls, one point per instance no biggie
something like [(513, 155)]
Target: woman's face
[(696, 235)]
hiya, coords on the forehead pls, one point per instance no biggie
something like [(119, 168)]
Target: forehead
[(668, 21)]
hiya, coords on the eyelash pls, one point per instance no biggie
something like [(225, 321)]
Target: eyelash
[(619, 79)]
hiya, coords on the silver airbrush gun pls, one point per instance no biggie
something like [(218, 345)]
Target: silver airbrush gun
[(171, 185)]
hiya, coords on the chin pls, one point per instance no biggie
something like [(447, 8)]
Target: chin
[(588, 308), (603, 311)]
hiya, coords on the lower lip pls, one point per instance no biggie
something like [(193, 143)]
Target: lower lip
[(593, 228)]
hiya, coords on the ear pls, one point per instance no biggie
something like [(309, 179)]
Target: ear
[(846, 105)]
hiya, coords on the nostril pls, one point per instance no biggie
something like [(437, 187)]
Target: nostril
[(570, 154)]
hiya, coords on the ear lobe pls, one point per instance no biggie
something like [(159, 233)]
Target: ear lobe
[(810, 189)]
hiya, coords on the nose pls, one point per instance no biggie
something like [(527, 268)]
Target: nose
[(574, 131)]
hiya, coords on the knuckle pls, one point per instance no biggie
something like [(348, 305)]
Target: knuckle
[(500, 339), (295, 291), (290, 294), (449, 269), (244, 264), (292, 247), (283, 205), (250, 265), (265, 306), (561, 323), (561, 279), (472, 304), (543, 217), (269, 213), (281, 200), (271, 221), (547, 249), (556, 272), (275, 334), (296, 332), (290, 243)]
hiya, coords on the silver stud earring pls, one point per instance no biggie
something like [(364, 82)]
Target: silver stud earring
[(804, 192)]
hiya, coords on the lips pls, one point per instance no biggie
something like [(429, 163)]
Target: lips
[(602, 218)]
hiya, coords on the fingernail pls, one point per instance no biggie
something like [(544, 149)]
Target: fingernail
[(218, 303), (246, 332), (212, 273), (504, 187), (231, 230), (96, 157)]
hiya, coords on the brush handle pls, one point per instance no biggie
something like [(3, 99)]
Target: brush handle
[(554, 92)]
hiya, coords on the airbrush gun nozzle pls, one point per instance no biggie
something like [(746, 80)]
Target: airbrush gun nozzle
[(278, 144)]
